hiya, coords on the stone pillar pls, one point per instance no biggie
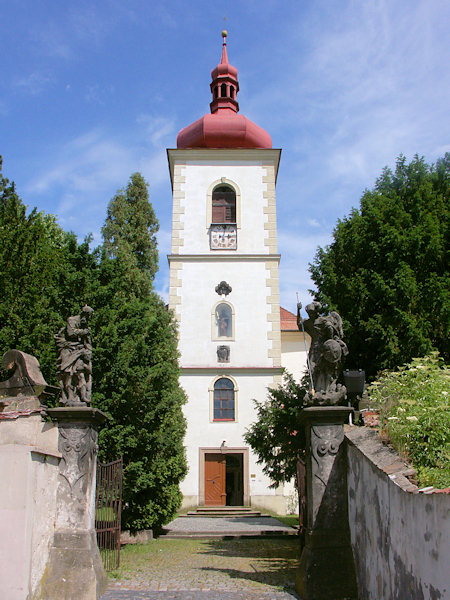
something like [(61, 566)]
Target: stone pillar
[(74, 568), (326, 570)]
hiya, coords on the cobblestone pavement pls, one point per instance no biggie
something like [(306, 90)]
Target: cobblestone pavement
[(197, 595), (213, 569), (240, 525)]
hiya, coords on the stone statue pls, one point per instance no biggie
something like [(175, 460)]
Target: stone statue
[(74, 361), (326, 355)]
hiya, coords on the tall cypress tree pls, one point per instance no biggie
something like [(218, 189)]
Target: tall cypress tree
[(131, 227), (135, 363)]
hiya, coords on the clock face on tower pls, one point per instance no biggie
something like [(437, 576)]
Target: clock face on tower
[(223, 237)]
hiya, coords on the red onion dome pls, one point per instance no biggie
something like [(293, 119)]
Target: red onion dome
[(224, 127)]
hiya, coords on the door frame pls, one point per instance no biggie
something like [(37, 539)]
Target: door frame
[(224, 450)]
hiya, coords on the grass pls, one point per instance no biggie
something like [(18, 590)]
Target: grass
[(105, 514), (135, 557), (288, 520), (238, 564)]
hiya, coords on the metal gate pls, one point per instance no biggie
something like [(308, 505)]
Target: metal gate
[(108, 508)]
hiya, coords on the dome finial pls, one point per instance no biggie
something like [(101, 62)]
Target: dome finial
[(224, 57)]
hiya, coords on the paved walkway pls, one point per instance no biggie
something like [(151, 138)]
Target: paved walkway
[(237, 568), (228, 526), (198, 595)]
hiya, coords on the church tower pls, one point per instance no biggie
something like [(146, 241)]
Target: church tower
[(224, 292)]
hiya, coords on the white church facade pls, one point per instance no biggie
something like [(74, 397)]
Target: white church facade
[(224, 291)]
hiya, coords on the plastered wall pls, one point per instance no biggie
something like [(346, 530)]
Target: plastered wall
[(29, 461), (400, 537)]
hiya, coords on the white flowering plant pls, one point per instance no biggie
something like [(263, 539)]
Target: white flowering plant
[(415, 415)]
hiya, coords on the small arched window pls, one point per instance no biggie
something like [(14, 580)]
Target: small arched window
[(215, 92), (224, 320), (224, 400), (223, 90), (232, 91), (223, 205)]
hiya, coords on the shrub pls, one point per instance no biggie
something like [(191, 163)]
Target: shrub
[(415, 415)]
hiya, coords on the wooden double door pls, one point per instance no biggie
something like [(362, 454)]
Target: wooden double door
[(223, 479)]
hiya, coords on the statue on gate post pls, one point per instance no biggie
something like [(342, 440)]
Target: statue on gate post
[(326, 355), (326, 568), (74, 567), (74, 361)]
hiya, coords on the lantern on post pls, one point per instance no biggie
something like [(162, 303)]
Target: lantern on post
[(354, 382)]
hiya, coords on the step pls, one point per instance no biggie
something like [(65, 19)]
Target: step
[(223, 507), (228, 509), (224, 515), (224, 511), (228, 534)]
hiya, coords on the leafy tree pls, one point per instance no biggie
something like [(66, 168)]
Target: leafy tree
[(415, 415), (135, 364), (386, 270), (276, 437), (43, 274)]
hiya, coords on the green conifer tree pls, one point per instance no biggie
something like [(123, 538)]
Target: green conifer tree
[(386, 270), (136, 364), (44, 274)]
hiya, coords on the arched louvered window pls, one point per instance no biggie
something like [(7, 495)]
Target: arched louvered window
[(223, 205)]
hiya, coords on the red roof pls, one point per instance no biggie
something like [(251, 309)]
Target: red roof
[(224, 128), (288, 320)]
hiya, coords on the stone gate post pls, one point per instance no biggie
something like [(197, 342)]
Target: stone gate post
[(326, 570), (74, 568)]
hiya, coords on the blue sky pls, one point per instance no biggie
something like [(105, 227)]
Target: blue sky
[(93, 91)]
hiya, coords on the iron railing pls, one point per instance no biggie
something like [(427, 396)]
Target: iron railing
[(108, 508)]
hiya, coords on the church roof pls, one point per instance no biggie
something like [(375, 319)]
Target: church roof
[(288, 320), (224, 127)]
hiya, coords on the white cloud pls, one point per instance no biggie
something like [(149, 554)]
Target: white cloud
[(97, 94), (297, 251), (53, 40), (162, 277), (158, 128), (87, 171), (313, 222), (164, 241), (34, 83), (82, 26)]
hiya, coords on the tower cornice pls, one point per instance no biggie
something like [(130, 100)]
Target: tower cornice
[(222, 256), (259, 155)]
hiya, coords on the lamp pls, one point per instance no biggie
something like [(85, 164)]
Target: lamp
[(354, 382)]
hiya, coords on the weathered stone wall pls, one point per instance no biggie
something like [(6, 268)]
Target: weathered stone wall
[(29, 460), (400, 536)]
